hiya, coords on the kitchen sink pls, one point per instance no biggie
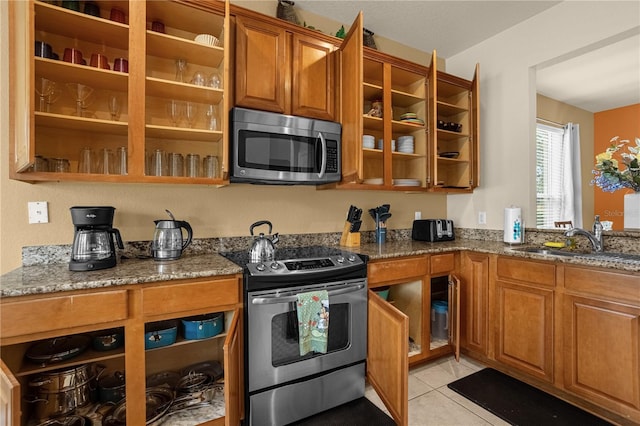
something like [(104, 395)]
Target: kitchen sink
[(602, 256), (547, 252)]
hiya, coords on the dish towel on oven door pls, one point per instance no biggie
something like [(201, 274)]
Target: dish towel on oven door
[(313, 321)]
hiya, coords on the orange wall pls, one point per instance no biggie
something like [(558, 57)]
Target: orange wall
[(623, 122)]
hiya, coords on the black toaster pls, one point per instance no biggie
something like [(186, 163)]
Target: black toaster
[(433, 230)]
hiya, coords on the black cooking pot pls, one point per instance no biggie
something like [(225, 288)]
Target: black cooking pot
[(112, 388), (107, 340)]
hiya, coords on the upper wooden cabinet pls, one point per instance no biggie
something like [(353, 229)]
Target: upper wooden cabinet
[(454, 143), (282, 71), (64, 107), (398, 105)]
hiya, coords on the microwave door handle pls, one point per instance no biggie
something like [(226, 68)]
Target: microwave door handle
[(323, 165), (270, 300)]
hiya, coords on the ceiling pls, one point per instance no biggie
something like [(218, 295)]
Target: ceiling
[(451, 26)]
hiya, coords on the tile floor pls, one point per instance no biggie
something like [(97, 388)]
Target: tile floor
[(431, 402)]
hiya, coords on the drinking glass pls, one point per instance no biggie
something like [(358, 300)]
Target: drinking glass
[(214, 81), (121, 161), (210, 166), (114, 106), (53, 97), (211, 113), (191, 111), (159, 166), (81, 93), (199, 79), (44, 88), (193, 165), (59, 165), (85, 163), (181, 66), (41, 164), (174, 111), (106, 162), (176, 164)]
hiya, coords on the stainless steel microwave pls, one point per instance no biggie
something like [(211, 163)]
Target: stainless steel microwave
[(271, 148)]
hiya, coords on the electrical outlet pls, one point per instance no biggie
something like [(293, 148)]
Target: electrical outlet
[(482, 218), (417, 215), (38, 212)]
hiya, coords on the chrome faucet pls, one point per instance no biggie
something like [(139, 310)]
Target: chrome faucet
[(595, 238)]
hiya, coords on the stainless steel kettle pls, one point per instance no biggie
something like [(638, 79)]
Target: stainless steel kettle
[(168, 242), (263, 249)]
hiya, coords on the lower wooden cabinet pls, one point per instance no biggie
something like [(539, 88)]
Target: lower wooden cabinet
[(524, 301), (601, 338), (142, 305), (474, 302)]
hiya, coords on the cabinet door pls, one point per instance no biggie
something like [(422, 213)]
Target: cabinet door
[(454, 315), (9, 397), (602, 351), (262, 71), (233, 379), (387, 361), (312, 88), (525, 328), (474, 131), (351, 103), (474, 304)]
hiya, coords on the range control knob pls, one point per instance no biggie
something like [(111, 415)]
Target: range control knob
[(275, 265), (260, 267), (340, 259), (352, 258)]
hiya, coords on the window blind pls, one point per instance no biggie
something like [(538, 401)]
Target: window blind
[(550, 162)]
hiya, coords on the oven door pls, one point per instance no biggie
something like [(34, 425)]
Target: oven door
[(273, 353)]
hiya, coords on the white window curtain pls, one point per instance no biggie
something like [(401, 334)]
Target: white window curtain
[(572, 179), (558, 180)]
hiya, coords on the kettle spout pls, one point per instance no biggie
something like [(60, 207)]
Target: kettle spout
[(275, 238)]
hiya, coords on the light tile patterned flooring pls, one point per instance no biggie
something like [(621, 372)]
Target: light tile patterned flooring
[(431, 402)]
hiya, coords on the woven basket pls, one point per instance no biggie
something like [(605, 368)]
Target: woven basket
[(286, 11), (368, 39)]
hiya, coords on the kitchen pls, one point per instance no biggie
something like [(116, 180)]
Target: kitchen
[(302, 210)]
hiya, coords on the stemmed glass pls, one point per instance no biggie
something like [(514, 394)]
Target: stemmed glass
[(191, 111), (181, 66), (44, 88), (81, 93), (212, 117), (114, 106), (53, 97), (174, 111)]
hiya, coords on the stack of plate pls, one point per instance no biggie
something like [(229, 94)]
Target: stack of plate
[(368, 141), (411, 117), (406, 182), (405, 144)]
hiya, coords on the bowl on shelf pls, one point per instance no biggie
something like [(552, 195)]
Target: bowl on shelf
[(207, 39)]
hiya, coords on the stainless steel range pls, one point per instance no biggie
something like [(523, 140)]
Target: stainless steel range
[(281, 385)]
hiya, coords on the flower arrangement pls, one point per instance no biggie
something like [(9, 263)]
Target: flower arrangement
[(608, 173)]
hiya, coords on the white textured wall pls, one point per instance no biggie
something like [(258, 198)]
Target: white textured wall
[(507, 87)]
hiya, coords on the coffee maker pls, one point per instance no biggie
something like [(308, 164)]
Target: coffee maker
[(93, 241)]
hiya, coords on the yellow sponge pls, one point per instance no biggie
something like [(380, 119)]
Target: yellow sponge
[(554, 244)]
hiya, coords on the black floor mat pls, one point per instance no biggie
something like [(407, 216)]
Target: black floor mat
[(360, 412), (519, 403)]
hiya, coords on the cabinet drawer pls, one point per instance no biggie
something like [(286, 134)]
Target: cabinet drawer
[(397, 269), (603, 283), (527, 270), (188, 296), (442, 263), (53, 313)]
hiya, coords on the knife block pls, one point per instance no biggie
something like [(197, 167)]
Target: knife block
[(349, 239)]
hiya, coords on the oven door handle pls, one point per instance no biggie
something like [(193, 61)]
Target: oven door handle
[(269, 300)]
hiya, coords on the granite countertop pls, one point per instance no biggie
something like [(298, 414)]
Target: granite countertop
[(53, 278)]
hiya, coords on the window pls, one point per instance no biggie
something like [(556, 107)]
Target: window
[(550, 165)]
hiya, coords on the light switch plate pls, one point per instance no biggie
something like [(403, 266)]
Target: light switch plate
[(417, 215), (482, 218), (38, 212)]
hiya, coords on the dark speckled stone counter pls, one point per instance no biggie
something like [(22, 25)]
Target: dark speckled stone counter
[(204, 261)]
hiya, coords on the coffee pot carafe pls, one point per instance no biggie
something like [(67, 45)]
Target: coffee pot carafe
[(93, 241), (263, 249), (168, 242)]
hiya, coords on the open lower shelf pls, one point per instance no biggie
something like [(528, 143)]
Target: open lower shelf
[(70, 122), (171, 47), (97, 78), (29, 367), (182, 133), (183, 91), (181, 341)]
